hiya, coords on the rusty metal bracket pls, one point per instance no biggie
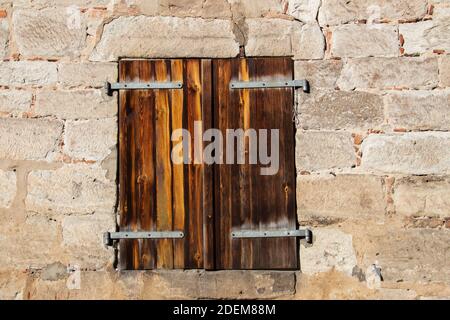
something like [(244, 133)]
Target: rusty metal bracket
[(109, 237), (110, 87), (304, 84), (306, 234)]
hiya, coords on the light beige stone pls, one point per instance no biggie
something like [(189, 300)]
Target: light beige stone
[(426, 36), (26, 139), (12, 285), (257, 9), (192, 8), (410, 153), (72, 189), (49, 32), (61, 3), (422, 196), (27, 73), (83, 240), (304, 10), (172, 37), (334, 12), (15, 102), (75, 104), (319, 150), (4, 37), (319, 73), (404, 72), (8, 188), (357, 41), (342, 196), (414, 255), (332, 109), (331, 249), (281, 37), (312, 43), (419, 110), (444, 71), (87, 74), (90, 139), (30, 244), (272, 37), (235, 284)]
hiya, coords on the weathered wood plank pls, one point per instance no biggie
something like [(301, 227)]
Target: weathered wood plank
[(177, 110), (164, 219)]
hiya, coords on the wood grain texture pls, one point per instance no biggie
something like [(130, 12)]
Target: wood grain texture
[(245, 198), (155, 193)]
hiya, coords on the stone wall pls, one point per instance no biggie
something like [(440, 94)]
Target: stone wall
[(372, 147)]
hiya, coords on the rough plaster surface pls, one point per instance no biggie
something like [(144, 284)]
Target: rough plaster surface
[(371, 152)]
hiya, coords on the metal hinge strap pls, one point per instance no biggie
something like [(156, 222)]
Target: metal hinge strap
[(306, 233), (110, 87), (109, 237), (270, 84)]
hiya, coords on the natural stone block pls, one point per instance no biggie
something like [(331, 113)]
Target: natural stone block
[(444, 71), (256, 9), (193, 284), (304, 10), (4, 37), (193, 8), (334, 12), (404, 72), (49, 32), (12, 285), (8, 188), (329, 197), (312, 43), (273, 37), (87, 74), (331, 249), (357, 41), (419, 110), (27, 139), (422, 196), (83, 240), (60, 3), (27, 73), (423, 36), (15, 102), (77, 104), (332, 109), (410, 153), (172, 37), (280, 37), (72, 189), (324, 150), (416, 256), (319, 73), (90, 139), (30, 244)]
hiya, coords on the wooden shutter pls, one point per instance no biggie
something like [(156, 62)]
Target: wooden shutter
[(155, 194), (245, 199), (206, 202)]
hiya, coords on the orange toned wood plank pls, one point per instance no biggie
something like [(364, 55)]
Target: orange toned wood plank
[(194, 191), (208, 173), (164, 220), (177, 110), (146, 166)]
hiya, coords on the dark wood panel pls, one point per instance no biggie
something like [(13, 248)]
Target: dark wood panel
[(245, 198), (155, 193)]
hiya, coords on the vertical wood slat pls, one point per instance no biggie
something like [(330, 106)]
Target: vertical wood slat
[(156, 194), (271, 202), (164, 221)]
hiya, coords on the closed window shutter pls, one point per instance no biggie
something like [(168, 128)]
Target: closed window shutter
[(206, 202)]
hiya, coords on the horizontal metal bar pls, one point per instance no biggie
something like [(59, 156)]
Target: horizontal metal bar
[(108, 237), (306, 233), (270, 84), (110, 87)]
